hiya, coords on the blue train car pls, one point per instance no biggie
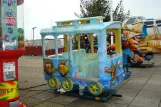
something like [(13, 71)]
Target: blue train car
[(95, 71)]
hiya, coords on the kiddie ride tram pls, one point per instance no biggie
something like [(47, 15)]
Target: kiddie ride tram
[(132, 56), (11, 48), (149, 44), (77, 73)]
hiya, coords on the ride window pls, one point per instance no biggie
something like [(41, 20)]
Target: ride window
[(82, 41), (116, 39), (49, 45)]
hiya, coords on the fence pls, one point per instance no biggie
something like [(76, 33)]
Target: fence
[(37, 51)]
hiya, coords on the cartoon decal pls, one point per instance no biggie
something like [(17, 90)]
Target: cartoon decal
[(76, 73), (11, 2), (8, 90), (79, 70), (48, 67), (63, 68), (113, 73), (10, 30), (4, 1), (9, 19)]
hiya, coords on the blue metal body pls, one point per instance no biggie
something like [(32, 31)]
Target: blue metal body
[(83, 67)]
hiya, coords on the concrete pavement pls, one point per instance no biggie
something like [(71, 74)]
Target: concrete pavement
[(142, 89)]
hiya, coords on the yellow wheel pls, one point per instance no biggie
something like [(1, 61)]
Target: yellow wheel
[(67, 84), (53, 82), (95, 88)]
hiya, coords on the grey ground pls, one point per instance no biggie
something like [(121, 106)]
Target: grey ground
[(142, 89)]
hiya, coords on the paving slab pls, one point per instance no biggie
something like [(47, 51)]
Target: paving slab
[(159, 68), (135, 70), (128, 92), (31, 102), (154, 81), (27, 93), (157, 61), (157, 72), (160, 105), (156, 76), (62, 99), (49, 104), (126, 100), (30, 61), (149, 70), (150, 94), (147, 102), (136, 80), (31, 72), (152, 87), (133, 85), (144, 75), (84, 103), (111, 105), (141, 78), (44, 95), (31, 82)]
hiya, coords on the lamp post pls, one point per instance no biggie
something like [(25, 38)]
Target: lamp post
[(111, 11), (33, 34), (111, 17)]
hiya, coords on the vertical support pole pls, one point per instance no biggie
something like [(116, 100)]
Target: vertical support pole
[(43, 47), (118, 40), (102, 53), (111, 11), (33, 35), (70, 49), (65, 37), (55, 45), (112, 41), (65, 43), (78, 36), (91, 42), (33, 38)]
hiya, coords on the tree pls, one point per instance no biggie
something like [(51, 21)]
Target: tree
[(119, 14), (91, 8)]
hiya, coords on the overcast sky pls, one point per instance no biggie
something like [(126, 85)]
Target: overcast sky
[(40, 13)]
